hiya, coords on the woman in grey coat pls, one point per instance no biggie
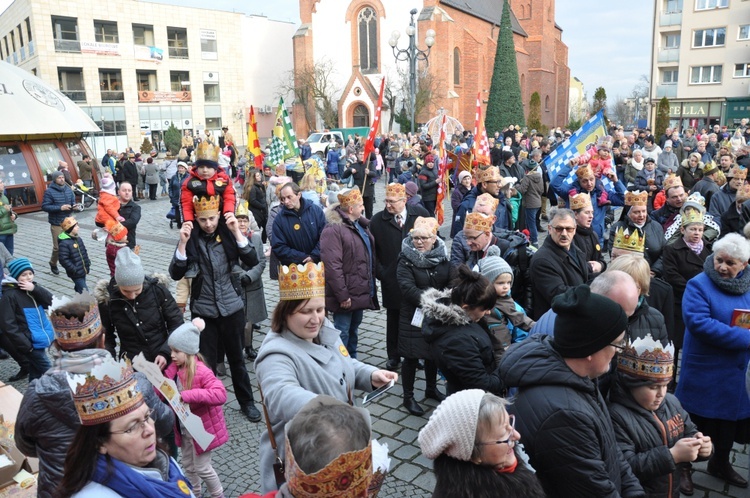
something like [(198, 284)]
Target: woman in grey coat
[(152, 177), (302, 357)]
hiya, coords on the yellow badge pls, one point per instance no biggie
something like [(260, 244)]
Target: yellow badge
[(183, 487), (219, 183), (343, 350), (296, 226), (75, 245), (598, 247), (218, 239)]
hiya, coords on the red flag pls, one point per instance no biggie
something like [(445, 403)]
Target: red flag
[(370, 144), (253, 142), (481, 144), (442, 188)]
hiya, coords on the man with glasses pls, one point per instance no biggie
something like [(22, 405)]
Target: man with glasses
[(297, 228), (558, 264), (488, 181), (566, 426), (389, 228)]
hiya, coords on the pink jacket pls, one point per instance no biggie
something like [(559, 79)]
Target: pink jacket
[(206, 399)]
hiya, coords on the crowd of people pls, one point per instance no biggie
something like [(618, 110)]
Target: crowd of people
[(592, 356)]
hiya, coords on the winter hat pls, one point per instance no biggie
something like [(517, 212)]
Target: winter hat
[(452, 427), (411, 189), (586, 322), (463, 175), (187, 337), (55, 175), (18, 266), (128, 269), (668, 143), (492, 265), (507, 154), (108, 185)]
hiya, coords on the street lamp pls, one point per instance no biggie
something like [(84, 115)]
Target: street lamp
[(412, 54)]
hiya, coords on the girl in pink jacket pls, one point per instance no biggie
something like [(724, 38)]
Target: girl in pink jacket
[(206, 395)]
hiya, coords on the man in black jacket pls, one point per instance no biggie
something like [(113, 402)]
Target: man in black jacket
[(130, 172)]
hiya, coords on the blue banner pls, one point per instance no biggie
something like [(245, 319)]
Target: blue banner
[(586, 136)]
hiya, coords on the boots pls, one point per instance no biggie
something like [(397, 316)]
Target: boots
[(686, 480), (408, 373), (719, 466), (430, 374)]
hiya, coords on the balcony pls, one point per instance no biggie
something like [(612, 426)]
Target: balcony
[(23, 53), (669, 91), (669, 55), (178, 53), (109, 96), (31, 49), (77, 95), (670, 19), (67, 46)]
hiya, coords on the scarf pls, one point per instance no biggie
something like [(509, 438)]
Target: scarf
[(429, 259), (637, 165), (124, 480), (735, 286), (697, 247)]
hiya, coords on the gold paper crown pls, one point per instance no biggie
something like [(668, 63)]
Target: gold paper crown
[(628, 241), (77, 322), (348, 476), (351, 197), (647, 359), (395, 190), (743, 193), (737, 172), (672, 181), (479, 221), (487, 200), (206, 206), (207, 153), (68, 223), (580, 201), (584, 171), (426, 225), (108, 392), (489, 174), (636, 198), (302, 281), (242, 210), (604, 143)]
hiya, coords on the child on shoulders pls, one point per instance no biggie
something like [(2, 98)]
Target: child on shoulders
[(206, 179)]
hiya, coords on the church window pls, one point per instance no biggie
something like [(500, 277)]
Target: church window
[(368, 40)]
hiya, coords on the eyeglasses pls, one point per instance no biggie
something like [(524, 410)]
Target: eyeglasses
[(393, 201), (469, 238), (138, 425), (620, 346), (560, 230), (510, 441), (421, 239)]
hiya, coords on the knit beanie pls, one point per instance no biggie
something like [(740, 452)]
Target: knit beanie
[(452, 427), (55, 175), (108, 185), (492, 265), (586, 322), (187, 337), (18, 266), (128, 269), (411, 189), (463, 175)]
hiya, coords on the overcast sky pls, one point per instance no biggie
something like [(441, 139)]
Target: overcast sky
[(608, 42)]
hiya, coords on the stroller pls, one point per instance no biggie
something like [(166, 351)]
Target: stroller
[(89, 195)]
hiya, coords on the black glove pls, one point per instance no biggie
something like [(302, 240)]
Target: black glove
[(245, 280)]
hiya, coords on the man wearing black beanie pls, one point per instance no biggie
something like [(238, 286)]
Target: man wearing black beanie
[(567, 429)]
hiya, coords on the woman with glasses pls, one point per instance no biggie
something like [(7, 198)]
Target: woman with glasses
[(472, 439), (422, 265)]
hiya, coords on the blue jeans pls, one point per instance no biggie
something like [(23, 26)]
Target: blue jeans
[(38, 363), (7, 241), (531, 224), (348, 324), (79, 284)]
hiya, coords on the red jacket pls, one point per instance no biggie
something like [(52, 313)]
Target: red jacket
[(219, 183)]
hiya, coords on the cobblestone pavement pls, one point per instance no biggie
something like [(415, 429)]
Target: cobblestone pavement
[(237, 461)]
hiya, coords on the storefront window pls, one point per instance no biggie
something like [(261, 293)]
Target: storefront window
[(48, 156), (19, 186)]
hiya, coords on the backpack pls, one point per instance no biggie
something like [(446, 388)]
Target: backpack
[(105, 161), (517, 252)]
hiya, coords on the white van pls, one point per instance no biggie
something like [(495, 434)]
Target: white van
[(319, 141)]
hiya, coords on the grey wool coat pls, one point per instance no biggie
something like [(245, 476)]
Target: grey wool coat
[(253, 296), (292, 371)]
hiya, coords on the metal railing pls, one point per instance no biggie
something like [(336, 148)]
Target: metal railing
[(178, 53), (109, 96), (76, 95), (67, 45)]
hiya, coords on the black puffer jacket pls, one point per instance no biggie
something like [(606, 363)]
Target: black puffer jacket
[(641, 435), (141, 325), (73, 256), (417, 273), (428, 182), (587, 241), (461, 348), (647, 320), (565, 425), (48, 420)]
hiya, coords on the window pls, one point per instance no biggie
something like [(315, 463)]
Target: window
[(711, 4), (705, 74), (16, 172), (744, 32), (546, 103), (669, 76), (71, 83), (20, 35), (742, 70), (673, 6), (106, 32), (368, 40), (713, 37), (65, 32), (177, 43), (672, 40), (146, 81), (211, 92), (209, 49), (456, 66), (28, 29), (13, 41), (110, 83), (143, 35), (361, 116), (179, 81)]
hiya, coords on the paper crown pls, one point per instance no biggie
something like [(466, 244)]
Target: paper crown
[(743, 193), (636, 198), (242, 210), (302, 281), (76, 321), (68, 223), (108, 392), (206, 153), (604, 143), (426, 225), (709, 168), (349, 476), (487, 199), (479, 221), (489, 174), (647, 359), (737, 172), (671, 181), (206, 206), (628, 241), (350, 197), (580, 201), (395, 190), (584, 171)]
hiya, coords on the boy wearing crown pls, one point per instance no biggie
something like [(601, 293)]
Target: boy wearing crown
[(653, 430), (206, 179)]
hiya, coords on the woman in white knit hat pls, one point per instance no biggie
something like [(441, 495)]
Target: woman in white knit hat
[(472, 439)]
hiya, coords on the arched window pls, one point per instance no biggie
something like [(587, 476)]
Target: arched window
[(456, 66), (546, 103), (361, 117), (368, 40)]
